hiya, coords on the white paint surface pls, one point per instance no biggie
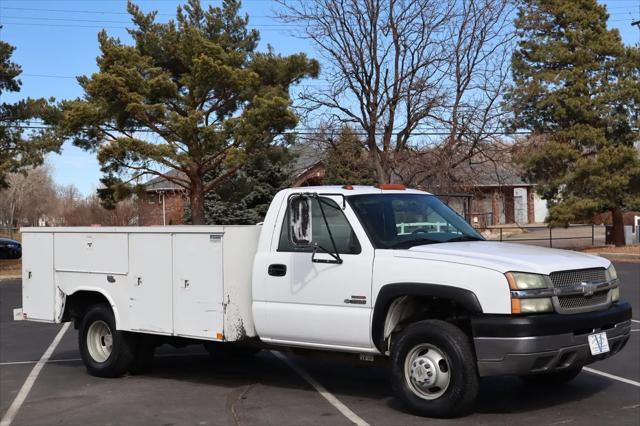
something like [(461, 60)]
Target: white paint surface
[(38, 288), (148, 286), (197, 285)]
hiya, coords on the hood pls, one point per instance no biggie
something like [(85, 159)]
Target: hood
[(505, 257)]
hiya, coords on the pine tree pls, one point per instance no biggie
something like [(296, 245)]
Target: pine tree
[(347, 162), (192, 95), (245, 198), (20, 152), (577, 88)]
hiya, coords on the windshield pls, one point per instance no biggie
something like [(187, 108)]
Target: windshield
[(401, 221)]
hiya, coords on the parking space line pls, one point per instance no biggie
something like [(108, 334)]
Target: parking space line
[(33, 362), (350, 415), (7, 419), (635, 321), (17, 362), (80, 359), (611, 376)]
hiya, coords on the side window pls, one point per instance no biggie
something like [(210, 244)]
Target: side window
[(344, 237)]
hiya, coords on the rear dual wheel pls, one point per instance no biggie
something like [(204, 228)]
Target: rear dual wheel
[(433, 369), (108, 352)]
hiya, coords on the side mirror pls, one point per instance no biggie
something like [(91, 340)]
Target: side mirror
[(300, 225)]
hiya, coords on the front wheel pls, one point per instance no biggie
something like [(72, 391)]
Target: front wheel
[(433, 369), (106, 352)]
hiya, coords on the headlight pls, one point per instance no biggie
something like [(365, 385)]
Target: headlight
[(524, 281), (531, 306), (615, 294), (528, 293), (611, 273)]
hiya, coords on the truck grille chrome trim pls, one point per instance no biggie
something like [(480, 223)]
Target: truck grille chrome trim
[(579, 301), (571, 278), (581, 290)]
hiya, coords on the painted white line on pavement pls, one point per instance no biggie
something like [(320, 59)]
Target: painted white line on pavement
[(17, 362), (48, 362), (635, 321), (80, 359), (353, 417), (611, 376), (7, 419)]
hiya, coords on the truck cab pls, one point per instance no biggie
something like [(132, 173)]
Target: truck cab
[(395, 272)]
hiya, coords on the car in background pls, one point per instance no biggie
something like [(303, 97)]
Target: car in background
[(10, 249)]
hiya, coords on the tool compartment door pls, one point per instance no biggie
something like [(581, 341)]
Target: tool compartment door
[(197, 285), (38, 287), (150, 283)]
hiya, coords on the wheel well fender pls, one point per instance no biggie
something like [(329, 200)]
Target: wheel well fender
[(391, 292), (77, 303)]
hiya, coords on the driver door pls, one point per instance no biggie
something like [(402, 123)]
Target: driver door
[(319, 304)]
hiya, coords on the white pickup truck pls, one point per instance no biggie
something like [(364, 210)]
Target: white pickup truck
[(373, 271)]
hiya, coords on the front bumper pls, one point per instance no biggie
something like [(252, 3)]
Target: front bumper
[(507, 344)]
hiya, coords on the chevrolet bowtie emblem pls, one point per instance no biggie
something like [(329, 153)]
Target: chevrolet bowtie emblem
[(587, 288)]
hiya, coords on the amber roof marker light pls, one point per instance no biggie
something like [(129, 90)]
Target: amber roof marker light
[(391, 186)]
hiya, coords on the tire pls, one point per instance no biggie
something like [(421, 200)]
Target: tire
[(554, 378), (106, 352), (229, 351), (442, 349)]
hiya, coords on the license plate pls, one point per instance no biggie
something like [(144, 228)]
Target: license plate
[(598, 343)]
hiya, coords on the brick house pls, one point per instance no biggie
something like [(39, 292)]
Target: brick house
[(496, 197), (162, 203)]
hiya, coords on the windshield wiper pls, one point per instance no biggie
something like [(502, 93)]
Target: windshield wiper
[(414, 242), (464, 238)]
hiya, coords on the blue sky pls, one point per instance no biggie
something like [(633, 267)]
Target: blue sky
[(56, 40)]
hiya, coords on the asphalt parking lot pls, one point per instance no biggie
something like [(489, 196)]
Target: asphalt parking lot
[(186, 387)]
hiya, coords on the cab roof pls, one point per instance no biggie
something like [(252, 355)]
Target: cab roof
[(353, 190)]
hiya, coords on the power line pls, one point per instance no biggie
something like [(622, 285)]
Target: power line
[(620, 10), (70, 77), (46, 76), (98, 12), (126, 22), (101, 12), (310, 131), (108, 27)]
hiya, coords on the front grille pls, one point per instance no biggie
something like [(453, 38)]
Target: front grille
[(570, 278), (579, 301)]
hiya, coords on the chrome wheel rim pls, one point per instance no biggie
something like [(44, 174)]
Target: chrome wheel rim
[(427, 371), (99, 341)]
